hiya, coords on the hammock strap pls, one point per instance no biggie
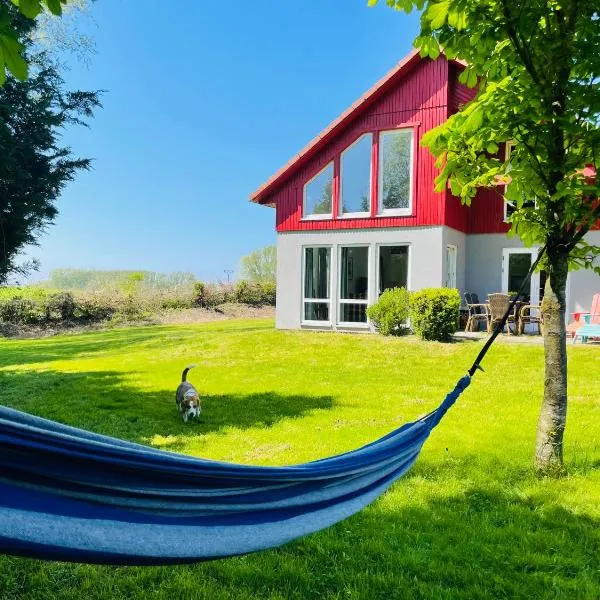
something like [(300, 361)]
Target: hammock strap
[(500, 325)]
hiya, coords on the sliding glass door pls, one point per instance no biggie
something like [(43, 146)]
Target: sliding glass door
[(354, 284), (316, 301)]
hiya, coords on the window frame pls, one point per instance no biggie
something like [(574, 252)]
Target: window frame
[(340, 301), (360, 214), (328, 301), (323, 216), (408, 246), (398, 212)]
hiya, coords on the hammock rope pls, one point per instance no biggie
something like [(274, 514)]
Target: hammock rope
[(73, 495)]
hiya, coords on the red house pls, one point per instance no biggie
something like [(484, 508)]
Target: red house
[(356, 210)]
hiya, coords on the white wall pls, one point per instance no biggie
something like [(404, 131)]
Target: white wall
[(484, 269), (426, 268), (583, 284)]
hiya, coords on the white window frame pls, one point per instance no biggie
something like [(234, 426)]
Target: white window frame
[(340, 301), (316, 300), (408, 246), (353, 215), (399, 212), (319, 217)]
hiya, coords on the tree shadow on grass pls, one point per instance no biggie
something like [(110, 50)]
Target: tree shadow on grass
[(104, 402), (476, 544)]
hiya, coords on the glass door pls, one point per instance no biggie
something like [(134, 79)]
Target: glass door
[(354, 284)]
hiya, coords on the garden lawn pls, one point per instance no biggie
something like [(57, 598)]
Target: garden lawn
[(471, 520)]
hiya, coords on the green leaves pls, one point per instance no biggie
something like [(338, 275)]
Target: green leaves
[(30, 8), (12, 57), (437, 13)]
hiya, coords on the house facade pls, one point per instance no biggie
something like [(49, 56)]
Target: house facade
[(356, 211)]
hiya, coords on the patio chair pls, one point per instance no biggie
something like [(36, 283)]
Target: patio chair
[(498, 306), (582, 318), (528, 315), (478, 312)]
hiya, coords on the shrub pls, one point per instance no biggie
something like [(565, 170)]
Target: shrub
[(21, 311), (390, 313), (60, 306), (434, 313), (97, 306), (269, 292)]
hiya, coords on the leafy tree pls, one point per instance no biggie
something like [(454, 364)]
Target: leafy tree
[(536, 64), (34, 168), (13, 57), (261, 265), (323, 206)]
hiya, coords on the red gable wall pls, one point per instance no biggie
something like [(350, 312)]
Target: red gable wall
[(420, 100)]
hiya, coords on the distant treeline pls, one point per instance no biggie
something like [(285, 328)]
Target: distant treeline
[(90, 280)]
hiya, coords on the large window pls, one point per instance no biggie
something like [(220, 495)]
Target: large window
[(355, 193), (318, 195), (393, 267), (354, 284), (395, 172), (316, 304)]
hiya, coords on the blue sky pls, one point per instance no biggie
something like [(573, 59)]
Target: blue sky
[(204, 101)]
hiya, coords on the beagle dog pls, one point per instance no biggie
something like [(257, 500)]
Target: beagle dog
[(187, 398)]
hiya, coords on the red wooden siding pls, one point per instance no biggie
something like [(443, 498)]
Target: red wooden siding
[(460, 94), (420, 101)]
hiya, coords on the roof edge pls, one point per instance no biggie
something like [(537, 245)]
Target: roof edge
[(258, 196)]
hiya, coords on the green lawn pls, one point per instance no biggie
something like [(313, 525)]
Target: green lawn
[(471, 520)]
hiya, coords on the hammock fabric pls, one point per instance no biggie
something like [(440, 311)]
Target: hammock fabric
[(68, 494)]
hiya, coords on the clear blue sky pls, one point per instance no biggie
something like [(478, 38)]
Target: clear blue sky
[(204, 101)]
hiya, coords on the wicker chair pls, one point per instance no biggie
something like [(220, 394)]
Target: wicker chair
[(499, 304), (478, 312), (530, 314)]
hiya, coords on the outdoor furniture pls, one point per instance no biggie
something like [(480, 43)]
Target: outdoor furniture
[(588, 330), (499, 304), (528, 315), (477, 312), (580, 319)]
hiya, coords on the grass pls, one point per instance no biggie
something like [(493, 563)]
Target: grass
[(471, 520)]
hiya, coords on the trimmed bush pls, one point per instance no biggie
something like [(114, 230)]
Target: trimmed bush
[(434, 313), (390, 313)]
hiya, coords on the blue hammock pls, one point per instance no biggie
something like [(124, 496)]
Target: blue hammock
[(68, 494)]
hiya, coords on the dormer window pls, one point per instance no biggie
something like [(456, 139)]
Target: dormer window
[(355, 191), (318, 195), (395, 172)]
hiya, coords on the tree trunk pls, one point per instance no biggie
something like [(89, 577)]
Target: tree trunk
[(551, 424)]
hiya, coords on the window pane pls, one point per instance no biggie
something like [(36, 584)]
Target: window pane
[(316, 273), (318, 193), (393, 267), (353, 313), (356, 176), (354, 271), (395, 149), (316, 311), (518, 268)]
